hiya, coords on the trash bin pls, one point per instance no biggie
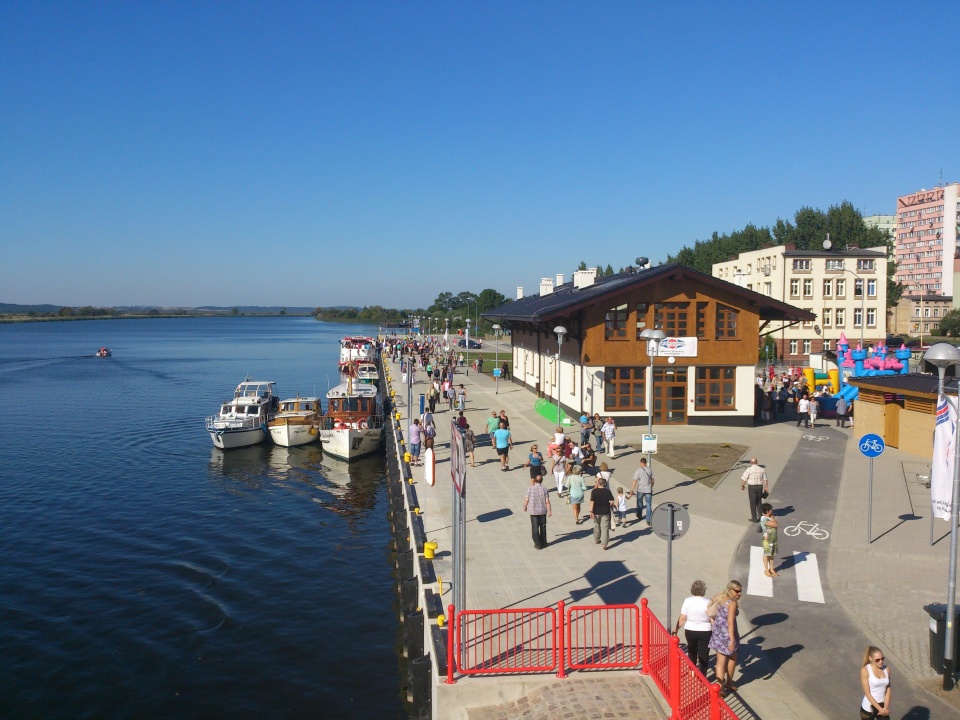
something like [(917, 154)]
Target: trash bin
[(938, 634)]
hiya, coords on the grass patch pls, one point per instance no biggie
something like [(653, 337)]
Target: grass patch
[(706, 463)]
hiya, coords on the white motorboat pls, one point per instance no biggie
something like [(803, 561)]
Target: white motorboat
[(297, 422), (243, 420), (353, 425), (366, 372), (357, 349)]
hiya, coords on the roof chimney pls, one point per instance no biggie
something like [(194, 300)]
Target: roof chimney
[(559, 279), (519, 292), (546, 286), (584, 278)]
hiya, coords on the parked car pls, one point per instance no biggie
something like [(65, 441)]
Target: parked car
[(474, 344), (893, 341)]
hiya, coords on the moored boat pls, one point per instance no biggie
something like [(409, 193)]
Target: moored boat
[(357, 349), (366, 372), (243, 420), (297, 421), (353, 425)]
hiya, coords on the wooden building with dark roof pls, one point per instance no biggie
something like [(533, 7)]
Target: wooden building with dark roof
[(705, 368)]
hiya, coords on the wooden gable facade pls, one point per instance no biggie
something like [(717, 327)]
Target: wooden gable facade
[(704, 371)]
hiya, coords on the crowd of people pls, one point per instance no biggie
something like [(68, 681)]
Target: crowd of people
[(775, 393)]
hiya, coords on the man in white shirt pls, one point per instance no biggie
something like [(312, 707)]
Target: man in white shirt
[(803, 411)]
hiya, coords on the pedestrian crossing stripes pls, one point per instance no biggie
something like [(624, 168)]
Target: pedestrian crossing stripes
[(806, 572)]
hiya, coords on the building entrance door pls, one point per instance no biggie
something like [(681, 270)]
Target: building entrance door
[(670, 395)]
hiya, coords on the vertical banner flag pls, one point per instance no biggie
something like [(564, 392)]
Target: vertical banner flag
[(941, 475)]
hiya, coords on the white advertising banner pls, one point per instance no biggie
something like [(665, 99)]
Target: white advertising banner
[(677, 347), (941, 473)]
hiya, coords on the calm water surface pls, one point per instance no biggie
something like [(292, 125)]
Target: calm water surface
[(143, 573)]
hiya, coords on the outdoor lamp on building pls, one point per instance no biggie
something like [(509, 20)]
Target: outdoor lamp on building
[(496, 362), (943, 355), (653, 338), (560, 330)]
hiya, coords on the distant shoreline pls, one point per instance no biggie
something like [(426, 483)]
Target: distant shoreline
[(8, 319)]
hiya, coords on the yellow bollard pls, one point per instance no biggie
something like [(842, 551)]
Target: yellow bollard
[(429, 550), (440, 584), (416, 511), (407, 457), (441, 620)]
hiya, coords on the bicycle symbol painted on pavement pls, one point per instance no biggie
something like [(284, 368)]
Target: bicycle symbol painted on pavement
[(807, 528), (816, 438)]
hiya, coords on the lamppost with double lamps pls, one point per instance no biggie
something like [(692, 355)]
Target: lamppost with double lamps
[(496, 362), (653, 338), (466, 341), (943, 355), (827, 244), (560, 330), (446, 333)]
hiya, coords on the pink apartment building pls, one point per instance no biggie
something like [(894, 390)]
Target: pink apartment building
[(926, 240)]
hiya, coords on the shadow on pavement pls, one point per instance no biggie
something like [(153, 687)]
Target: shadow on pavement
[(494, 515)]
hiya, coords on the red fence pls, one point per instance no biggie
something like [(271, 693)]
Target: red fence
[(527, 640)]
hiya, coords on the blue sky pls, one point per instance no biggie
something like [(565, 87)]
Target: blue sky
[(328, 153)]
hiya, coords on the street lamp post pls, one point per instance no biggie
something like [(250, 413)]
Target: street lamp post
[(446, 333), (943, 355), (560, 330), (466, 341), (863, 303), (496, 362), (653, 338)]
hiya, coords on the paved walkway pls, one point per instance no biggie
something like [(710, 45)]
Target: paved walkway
[(882, 586)]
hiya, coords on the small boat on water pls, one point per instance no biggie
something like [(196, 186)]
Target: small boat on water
[(243, 420), (357, 349), (104, 352), (353, 425), (366, 372), (297, 421)]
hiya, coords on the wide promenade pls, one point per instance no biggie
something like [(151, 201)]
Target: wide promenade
[(803, 634)]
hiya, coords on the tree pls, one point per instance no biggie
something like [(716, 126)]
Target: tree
[(65, 312), (235, 311), (950, 324)]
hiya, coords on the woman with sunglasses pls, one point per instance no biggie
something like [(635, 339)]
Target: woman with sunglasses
[(726, 638), (875, 681)]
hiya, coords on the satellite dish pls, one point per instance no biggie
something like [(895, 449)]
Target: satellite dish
[(827, 244), (641, 261)]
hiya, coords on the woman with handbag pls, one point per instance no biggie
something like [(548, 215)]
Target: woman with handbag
[(725, 638), (768, 526)]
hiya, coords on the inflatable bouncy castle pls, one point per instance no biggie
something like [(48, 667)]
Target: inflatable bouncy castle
[(863, 363)]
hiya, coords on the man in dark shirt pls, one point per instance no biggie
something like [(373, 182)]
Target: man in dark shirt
[(601, 504)]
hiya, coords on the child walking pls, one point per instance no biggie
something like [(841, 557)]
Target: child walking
[(621, 507)]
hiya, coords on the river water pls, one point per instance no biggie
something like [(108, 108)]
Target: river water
[(144, 573)]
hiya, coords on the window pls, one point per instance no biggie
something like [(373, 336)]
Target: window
[(857, 317), (916, 312), (858, 288), (801, 264), (795, 288), (866, 264), (701, 319), (726, 322), (641, 318), (826, 316), (871, 317), (926, 312), (839, 318), (871, 288), (841, 288), (716, 388), (768, 289), (616, 325), (672, 318), (793, 347), (834, 264), (828, 288), (624, 388), (826, 344), (807, 347), (808, 287), (936, 312), (808, 323)]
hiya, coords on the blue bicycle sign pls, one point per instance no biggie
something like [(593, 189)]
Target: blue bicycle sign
[(871, 445)]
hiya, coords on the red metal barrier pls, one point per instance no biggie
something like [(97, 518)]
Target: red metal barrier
[(507, 641), (603, 636), (536, 640)]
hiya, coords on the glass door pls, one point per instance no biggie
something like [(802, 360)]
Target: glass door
[(670, 395)]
